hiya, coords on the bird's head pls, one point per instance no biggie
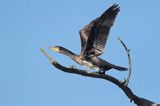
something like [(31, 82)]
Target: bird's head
[(62, 50), (56, 48)]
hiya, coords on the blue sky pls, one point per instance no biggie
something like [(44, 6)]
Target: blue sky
[(27, 78)]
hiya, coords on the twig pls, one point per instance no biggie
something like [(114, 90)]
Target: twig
[(49, 57), (129, 61)]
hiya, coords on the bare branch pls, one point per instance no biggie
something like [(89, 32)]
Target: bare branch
[(129, 61), (125, 88)]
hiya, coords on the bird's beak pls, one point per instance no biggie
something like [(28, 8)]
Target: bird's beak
[(54, 49)]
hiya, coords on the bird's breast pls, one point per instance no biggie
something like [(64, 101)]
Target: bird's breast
[(87, 63)]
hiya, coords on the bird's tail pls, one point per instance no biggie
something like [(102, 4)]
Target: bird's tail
[(120, 68)]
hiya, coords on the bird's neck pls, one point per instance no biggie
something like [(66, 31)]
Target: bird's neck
[(68, 53)]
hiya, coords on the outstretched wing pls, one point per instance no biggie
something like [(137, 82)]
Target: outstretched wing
[(94, 35), (84, 34)]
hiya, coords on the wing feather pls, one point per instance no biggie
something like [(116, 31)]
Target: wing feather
[(84, 34), (95, 34), (106, 21)]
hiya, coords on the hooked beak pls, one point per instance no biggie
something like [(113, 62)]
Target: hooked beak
[(54, 49)]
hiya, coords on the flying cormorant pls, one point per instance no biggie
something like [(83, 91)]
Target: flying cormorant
[(93, 39)]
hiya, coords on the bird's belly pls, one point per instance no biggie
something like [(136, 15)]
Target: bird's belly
[(89, 65)]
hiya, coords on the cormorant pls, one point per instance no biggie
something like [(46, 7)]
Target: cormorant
[(93, 39)]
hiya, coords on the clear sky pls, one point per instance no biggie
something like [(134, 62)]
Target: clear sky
[(27, 78)]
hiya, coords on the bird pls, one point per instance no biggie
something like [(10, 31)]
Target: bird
[(93, 40)]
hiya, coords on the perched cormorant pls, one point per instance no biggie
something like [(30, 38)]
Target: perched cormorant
[(93, 39)]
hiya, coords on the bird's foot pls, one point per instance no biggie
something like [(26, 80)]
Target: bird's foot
[(72, 66)]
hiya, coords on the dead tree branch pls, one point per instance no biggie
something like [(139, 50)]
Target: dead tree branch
[(129, 61), (123, 86)]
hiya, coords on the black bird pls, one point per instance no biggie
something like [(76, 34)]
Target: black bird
[(93, 39)]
